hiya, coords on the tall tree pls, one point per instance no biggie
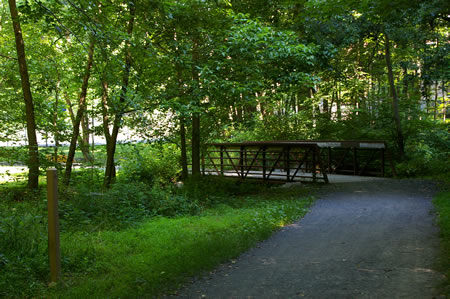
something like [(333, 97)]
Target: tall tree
[(80, 112), (33, 164), (195, 115), (111, 145), (395, 109)]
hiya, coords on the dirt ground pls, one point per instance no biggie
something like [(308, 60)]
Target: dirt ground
[(361, 239)]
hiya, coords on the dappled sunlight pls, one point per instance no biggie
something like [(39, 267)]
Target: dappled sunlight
[(168, 125)]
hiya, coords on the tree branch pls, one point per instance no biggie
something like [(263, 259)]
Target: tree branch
[(8, 57)]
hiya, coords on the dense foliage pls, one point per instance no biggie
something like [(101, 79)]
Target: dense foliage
[(190, 71), (166, 77)]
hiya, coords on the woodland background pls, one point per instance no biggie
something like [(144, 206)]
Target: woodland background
[(175, 75)]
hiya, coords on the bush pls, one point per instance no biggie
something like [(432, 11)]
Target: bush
[(442, 206), (152, 164), (208, 190), (14, 155), (23, 250), (125, 204), (427, 153)]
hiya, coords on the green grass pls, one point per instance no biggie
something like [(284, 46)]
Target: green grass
[(442, 205), (121, 255), (159, 255)]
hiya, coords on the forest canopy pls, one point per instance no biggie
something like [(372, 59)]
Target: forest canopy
[(126, 98), (191, 72)]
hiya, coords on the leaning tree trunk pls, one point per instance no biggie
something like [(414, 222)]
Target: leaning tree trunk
[(400, 140), (81, 142), (33, 162), (111, 146), (80, 112)]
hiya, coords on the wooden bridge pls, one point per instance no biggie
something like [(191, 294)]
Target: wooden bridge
[(291, 161)]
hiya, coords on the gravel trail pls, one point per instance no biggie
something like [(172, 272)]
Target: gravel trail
[(372, 239)]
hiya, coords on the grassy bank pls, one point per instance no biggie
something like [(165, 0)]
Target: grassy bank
[(107, 251), (159, 255), (442, 205)]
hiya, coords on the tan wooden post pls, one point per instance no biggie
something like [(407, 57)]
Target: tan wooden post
[(54, 251)]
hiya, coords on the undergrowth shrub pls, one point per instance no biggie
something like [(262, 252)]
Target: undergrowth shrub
[(171, 205), (442, 208), (156, 164), (427, 152), (212, 189), (23, 250), (125, 204), (17, 192), (13, 155)]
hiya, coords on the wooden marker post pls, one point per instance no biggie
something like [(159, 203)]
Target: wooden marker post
[(54, 252)]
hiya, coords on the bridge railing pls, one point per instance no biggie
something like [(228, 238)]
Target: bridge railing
[(268, 161), (295, 160)]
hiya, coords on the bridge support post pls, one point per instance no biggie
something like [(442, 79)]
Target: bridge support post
[(314, 165), (203, 162), (241, 161), (221, 160), (264, 162), (288, 166), (329, 160)]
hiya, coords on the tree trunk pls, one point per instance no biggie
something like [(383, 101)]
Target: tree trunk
[(85, 137), (239, 115), (55, 118), (185, 172), (262, 109), (81, 142), (195, 116), (33, 162), (79, 115), (110, 172), (105, 118), (325, 108), (338, 102), (195, 144), (184, 166), (405, 82), (400, 140), (444, 101), (436, 84)]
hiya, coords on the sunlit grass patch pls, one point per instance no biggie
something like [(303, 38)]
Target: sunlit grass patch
[(160, 254)]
